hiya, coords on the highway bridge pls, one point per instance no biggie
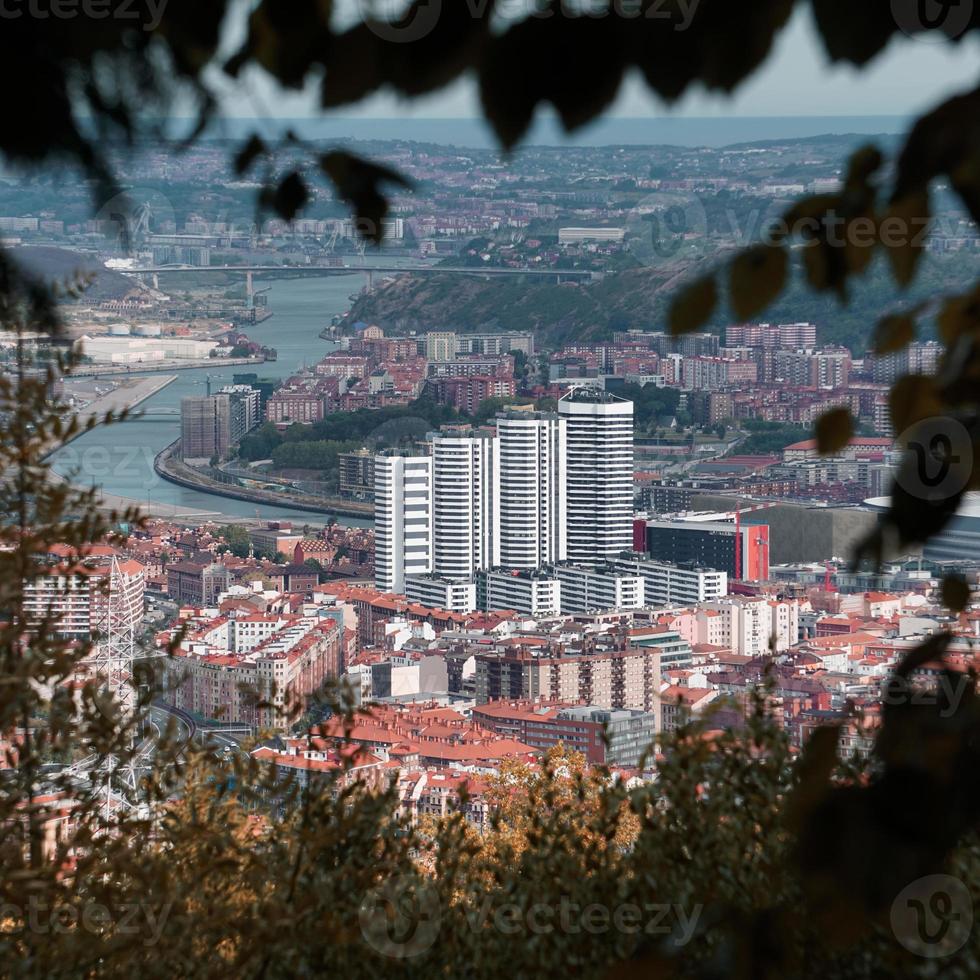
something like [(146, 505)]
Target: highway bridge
[(559, 275)]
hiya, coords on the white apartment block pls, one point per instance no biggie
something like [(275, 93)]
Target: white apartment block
[(750, 626), (596, 589), (533, 593), (437, 592), (403, 519), (575, 236), (465, 479), (667, 584), (533, 480), (600, 474)]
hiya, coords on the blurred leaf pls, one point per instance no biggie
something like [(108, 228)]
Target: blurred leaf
[(251, 150), (834, 430), (913, 397), (943, 142), (903, 232), (757, 277), (356, 182), (894, 333), (289, 196), (956, 593), (854, 32), (815, 768), (959, 315), (693, 306)]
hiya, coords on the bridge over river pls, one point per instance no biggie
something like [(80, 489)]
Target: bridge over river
[(559, 275)]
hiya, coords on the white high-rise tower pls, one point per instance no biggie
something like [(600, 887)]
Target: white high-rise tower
[(532, 489), (465, 493), (402, 519), (600, 474)]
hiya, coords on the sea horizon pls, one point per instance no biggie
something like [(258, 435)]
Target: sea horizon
[(473, 133)]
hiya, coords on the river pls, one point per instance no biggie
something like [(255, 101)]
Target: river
[(119, 458)]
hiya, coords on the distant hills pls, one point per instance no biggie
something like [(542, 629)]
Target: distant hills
[(63, 265)]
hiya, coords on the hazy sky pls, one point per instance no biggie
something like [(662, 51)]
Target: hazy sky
[(910, 76)]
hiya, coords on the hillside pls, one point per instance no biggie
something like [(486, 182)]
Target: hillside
[(558, 313), (639, 298), (63, 265)]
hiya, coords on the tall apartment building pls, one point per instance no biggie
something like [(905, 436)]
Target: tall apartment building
[(600, 474), (465, 481), (403, 519), (251, 399), (749, 625), (76, 598), (598, 588), (439, 592), (467, 394), (495, 343), (666, 583), (714, 373), (785, 336), (210, 425), (918, 358), (815, 369), (253, 671), (473, 366), (533, 497), (356, 473), (605, 736), (533, 592), (627, 677), (440, 345)]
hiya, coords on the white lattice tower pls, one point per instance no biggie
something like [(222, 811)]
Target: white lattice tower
[(113, 662), (113, 655)]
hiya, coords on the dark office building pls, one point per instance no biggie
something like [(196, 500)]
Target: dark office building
[(711, 545)]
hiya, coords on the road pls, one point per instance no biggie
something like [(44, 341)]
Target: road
[(190, 364), (346, 270), (129, 394)]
